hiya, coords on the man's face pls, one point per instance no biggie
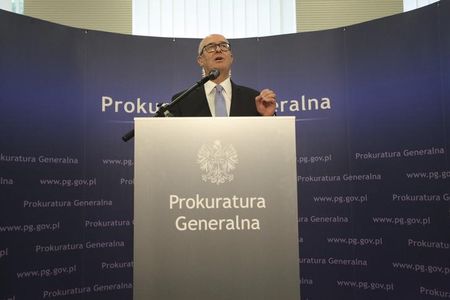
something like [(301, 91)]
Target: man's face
[(220, 58)]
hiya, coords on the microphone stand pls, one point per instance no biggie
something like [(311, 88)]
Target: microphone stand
[(164, 109)]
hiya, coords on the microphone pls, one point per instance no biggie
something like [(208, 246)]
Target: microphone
[(164, 110), (213, 74)]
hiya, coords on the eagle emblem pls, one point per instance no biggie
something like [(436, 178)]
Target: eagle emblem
[(217, 161)]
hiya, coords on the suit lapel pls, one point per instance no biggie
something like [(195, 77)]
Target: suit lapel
[(235, 92), (200, 106)]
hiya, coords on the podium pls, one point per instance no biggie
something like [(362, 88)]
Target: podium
[(215, 209)]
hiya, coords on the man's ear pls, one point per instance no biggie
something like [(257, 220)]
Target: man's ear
[(200, 61)]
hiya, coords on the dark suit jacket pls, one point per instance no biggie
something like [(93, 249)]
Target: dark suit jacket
[(196, 105)]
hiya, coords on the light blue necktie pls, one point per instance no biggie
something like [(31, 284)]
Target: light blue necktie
[(219, 102)]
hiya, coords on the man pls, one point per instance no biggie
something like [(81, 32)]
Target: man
[(228, 98)]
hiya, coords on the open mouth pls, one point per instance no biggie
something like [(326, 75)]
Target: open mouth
[(219, 59)]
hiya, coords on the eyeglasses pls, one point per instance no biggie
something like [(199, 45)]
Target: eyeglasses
[(210, 48)]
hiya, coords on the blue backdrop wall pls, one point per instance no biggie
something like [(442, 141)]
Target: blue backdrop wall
[(372, 104)]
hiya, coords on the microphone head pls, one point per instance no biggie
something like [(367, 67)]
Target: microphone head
[(213, 74)]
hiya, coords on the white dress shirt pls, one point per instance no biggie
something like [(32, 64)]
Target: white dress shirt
[(210, 92)]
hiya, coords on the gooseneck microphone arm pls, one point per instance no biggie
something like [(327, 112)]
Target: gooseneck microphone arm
[(164, 109)]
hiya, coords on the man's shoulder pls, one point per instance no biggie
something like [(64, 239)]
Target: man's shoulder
[(243, 89), (197, 91), (192, 105)]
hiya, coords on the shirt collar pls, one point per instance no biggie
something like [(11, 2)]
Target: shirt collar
[(226, 84)]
